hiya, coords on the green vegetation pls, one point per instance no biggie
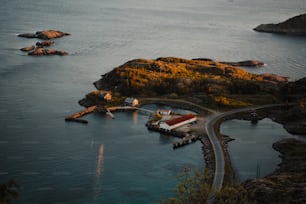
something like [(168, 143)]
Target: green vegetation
[(196, 189), (212, 83)]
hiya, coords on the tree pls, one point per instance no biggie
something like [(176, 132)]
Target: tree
[(196, 189), (192, 188), (9, 191)]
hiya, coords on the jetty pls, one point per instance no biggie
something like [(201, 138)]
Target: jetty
[(123, 108), (108, 111), (188, 139), (76, 116)]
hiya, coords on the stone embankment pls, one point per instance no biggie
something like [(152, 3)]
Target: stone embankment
[(210, 160)]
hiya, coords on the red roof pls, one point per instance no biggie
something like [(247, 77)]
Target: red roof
[(180, 119)]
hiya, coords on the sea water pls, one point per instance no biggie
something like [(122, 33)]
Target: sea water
[(251, 152), (59, 162)]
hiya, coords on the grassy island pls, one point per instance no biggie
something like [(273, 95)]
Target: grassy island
[(204, 81)]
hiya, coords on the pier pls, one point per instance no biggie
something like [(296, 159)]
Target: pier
[(185, 141), (76, 117), (122, 108)]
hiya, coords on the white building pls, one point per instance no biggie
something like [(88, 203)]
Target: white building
[(177, 122), (164, 112), (105, 95), (131, 101)]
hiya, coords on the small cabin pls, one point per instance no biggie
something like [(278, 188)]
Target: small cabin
[(105, 95), (131, 101), (164, 112)]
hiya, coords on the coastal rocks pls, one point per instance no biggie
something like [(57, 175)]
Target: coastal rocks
[(41, 51), (246, 63), (287, 184), (293, 119), (293, 26), (38, 45), (38, 48), (45, 43), (45, 34), (27, 49), (273, 78)]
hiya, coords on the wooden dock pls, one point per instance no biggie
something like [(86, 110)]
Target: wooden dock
[(108, 112), (76, 117)]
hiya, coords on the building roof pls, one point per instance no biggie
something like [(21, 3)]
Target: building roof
[(129, 100), (164, 111), (180, 119)]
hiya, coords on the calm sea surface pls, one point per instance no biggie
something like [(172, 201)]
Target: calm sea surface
[(251, 152), (115, 161)]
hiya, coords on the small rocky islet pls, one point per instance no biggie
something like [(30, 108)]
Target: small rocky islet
[(45, 34), (39, 48)]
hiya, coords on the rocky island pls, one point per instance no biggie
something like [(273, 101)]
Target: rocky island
[(216, 85), (209, 83), (39, 49), (293, 26), (45, 34)]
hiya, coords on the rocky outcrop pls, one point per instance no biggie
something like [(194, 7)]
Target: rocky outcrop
[(273, 77), (293, 119), (38, 48), (209, 82), (175, 75), (45, 34), (293, 26), (28, 49), (45, 43), (41, 51), (287, 184), (38, 45), (246, 63)]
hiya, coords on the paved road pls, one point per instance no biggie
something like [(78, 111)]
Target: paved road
[(218, 151), (217, 148), (187, 104)]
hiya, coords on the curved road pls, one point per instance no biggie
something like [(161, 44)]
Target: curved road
[(217, 148), (209, 127)]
